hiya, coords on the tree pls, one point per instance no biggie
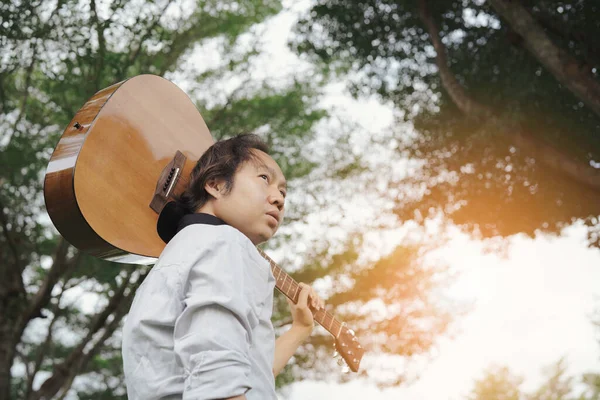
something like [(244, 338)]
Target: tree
[(60, 310), (558, 386), (503, 96), (497, 384), (591, 380), (501, 383)]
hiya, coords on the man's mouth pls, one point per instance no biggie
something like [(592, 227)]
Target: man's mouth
[(274, 218)]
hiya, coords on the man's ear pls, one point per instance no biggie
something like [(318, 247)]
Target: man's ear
[(214, 187)]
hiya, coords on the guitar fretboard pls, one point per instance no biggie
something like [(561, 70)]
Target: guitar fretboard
[(289, 287)]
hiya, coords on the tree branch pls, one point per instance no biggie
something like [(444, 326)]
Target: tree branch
[(60, 265), (27, 84), (544, 152), (565, 68), (44, 346), (558, 161), (24, 359), (73, 364), (28, 74), (101, 46), (553, 26), (122, 309), (455, 90), (178, 46), (134, 54), (12, 245), (230, 98)]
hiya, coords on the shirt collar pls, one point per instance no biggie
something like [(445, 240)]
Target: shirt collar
[(174, 218), (199, 218)]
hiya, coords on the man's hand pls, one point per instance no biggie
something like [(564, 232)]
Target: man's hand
[(302, 316), (302, 326)]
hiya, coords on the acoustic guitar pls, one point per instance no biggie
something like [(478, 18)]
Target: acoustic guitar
[(127, 151)]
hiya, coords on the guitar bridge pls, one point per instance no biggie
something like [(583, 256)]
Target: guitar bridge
[(168, 177)]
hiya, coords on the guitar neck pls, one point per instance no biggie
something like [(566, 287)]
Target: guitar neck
[(289, 287)]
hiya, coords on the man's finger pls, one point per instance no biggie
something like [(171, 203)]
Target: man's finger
[(314, 298), (303, 297), (316, 301)]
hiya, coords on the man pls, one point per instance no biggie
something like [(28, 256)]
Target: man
[(200, 324)]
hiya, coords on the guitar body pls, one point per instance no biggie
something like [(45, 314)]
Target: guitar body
[(106, 168)]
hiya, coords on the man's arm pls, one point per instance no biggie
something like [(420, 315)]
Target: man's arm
[(213, 333), (302, 326)]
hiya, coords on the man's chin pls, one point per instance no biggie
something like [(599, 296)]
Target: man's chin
[(264, 236)]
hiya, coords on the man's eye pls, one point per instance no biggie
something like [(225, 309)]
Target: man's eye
[(283, 194), (265, 176)]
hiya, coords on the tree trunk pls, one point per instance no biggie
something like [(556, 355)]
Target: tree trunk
[(579, 79), (13, 302), (9, 310)]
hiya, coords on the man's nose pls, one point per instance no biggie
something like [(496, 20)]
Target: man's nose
[(277, 199)]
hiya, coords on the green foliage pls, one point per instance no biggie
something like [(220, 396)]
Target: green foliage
[(592, 383), (499, 383), (501, 187), (557, 386), (58, 55), (61, 54), (289, 117)]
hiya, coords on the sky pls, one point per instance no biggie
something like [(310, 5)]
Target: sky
[(531, 305)]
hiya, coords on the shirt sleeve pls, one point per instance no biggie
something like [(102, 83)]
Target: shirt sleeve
[(213, 334)]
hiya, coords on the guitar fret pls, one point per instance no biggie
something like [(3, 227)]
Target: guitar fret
[(278, 270), (323, 318), (279, 273), (289, 288), (285, 280)]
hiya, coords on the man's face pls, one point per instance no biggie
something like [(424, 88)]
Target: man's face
[(258, 190)]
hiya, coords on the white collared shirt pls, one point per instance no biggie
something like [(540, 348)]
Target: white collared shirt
[(200, 323)]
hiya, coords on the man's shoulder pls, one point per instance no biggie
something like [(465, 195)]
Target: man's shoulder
[(201, 235), (196, 239)]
